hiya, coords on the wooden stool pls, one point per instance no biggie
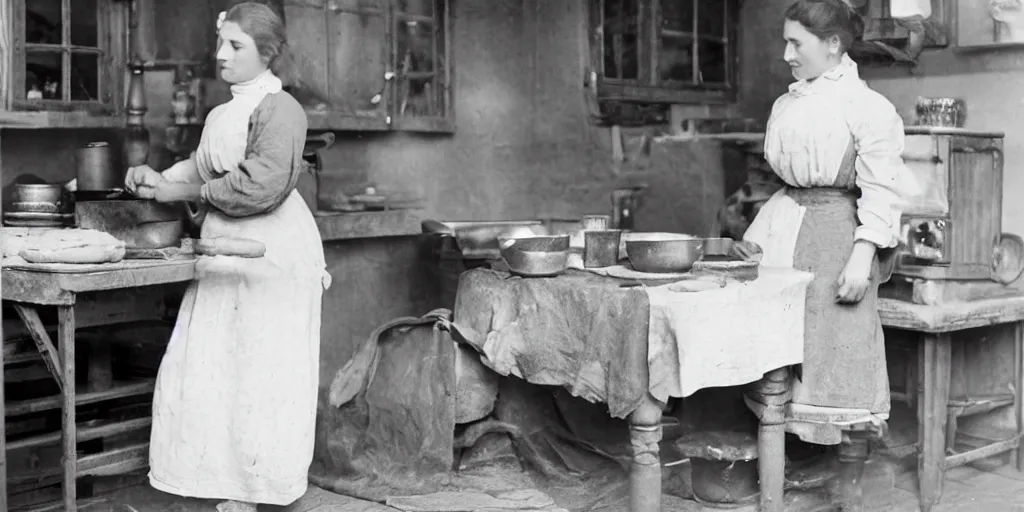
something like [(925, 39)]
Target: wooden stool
[(937, 411)]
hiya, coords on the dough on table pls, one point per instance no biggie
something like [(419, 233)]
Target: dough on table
[(82, 246)]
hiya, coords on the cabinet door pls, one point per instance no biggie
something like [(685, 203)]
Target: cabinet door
[(421, 42), (307, 41), (62, 55), (178, 32), (358, 59)]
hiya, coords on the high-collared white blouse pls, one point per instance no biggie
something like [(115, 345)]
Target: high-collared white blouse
[(809, 134)]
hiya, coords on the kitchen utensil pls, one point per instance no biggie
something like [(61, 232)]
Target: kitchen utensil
[(140, 223), (718, 248), (538, 243), (103, 195), (479, 240), (95, 168), (38, 220), (52, 193), (728, 266), (601, 248), (37, 207), (167, 253), (39, 216), (941, 112), (1008, 262), (664, 252), (595, 222), (537, 263)]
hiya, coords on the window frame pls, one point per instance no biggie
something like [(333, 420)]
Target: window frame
[(648, 87), (105, 50)]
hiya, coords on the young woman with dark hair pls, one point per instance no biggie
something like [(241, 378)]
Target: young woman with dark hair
[(235, 402), (837, 145)]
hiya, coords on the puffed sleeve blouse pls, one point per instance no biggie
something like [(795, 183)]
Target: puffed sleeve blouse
[(810, 133)]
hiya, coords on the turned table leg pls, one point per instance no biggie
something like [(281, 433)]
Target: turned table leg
[(772, 393), (934, 366), (645, 470)]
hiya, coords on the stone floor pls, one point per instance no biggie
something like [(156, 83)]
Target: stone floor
[(966, 490)]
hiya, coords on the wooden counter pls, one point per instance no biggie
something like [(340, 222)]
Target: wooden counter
[(356, 225), (30, 287)]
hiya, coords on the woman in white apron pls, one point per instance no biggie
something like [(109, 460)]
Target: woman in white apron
[(235, 402), (837, 145)]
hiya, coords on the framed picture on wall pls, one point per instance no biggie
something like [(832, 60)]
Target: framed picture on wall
[(982, 24)]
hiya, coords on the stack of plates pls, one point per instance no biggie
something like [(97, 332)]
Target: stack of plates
[(37, 215), (38, 219)]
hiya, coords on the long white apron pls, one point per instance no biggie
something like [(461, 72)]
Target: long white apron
[(235, 402)]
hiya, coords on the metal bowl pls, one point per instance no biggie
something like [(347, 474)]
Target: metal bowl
[(38, 207), (49, 193), (551, 258), (539, 243), (664, 252)]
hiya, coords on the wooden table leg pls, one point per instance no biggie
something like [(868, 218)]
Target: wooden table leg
[(66, 337), (772, 392), (1018, 384), (645, 470), (934, 367), (3, 432)]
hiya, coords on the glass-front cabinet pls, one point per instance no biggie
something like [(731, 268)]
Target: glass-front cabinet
[(373, 64), (665, 51), (422, 75), (60, 56)]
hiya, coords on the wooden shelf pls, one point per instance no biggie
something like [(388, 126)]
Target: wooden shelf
[(115, 462), (120, 390), (388, 223), (84, 433), (339, 121), (53, 119)]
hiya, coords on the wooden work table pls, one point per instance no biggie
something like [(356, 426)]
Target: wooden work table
[(29, 288), (937, 411)]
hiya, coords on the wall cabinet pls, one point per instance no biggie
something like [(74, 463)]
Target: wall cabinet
[(61, 63), (664, 51), (373, 64)]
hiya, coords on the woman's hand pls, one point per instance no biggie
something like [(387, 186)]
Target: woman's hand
[(747, 251), (140, 178), (856, 276)]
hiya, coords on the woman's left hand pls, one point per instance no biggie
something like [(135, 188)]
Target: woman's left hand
[(855, 279)]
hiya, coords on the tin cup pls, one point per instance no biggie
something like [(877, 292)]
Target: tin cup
[(601, 248), (595, 222)]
